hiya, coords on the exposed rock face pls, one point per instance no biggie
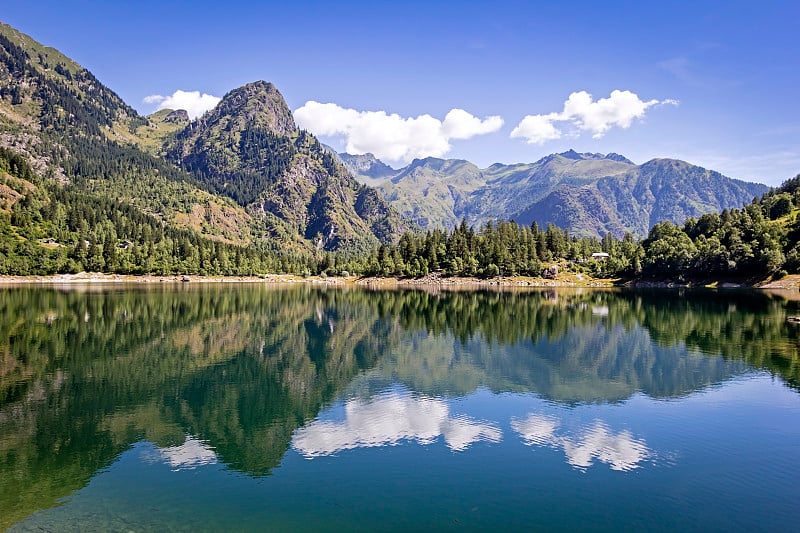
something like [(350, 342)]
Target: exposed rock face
[(255, 106), (550, 272)]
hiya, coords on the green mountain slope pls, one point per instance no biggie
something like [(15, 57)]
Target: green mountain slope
[(160, 129), (433, 192), (245, 178), (76, 132), (513, 188)]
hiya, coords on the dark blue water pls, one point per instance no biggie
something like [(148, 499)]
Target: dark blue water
[(221, 408)]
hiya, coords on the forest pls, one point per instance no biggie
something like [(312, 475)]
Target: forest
[(46, 228), (755, 242)]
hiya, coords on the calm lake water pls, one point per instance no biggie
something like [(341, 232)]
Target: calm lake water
[(249, 407)]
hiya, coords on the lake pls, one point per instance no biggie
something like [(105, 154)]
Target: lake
[(211, 407)]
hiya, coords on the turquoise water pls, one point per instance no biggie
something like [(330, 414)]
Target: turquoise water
[(252, 408)]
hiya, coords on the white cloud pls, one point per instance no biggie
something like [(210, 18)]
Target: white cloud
[(193, 102), (388, 420), (391, 137), (584, 113), (621, 451), (458, 124), (537, 129)]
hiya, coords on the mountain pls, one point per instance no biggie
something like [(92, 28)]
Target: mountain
[(367, 168), (78, 134), (590, 194), (159, 129), (658, 190), (249, 149), (434, 192), (86, 183), (238, 187)]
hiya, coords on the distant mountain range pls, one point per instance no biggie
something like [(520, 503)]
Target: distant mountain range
[(591, 194)]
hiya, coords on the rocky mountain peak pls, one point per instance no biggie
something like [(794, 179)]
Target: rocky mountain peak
[(571, 154), (617, 157), (430, 162), (361, 161), (257, 104), (578, 156), (177, 116), (436, 164)]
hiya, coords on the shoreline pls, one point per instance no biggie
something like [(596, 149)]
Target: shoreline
[(96, 277), (366, 282), (791, 282)]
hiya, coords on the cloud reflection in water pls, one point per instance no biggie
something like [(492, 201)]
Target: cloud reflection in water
[(389, 419), (191, 454), (621, 451)]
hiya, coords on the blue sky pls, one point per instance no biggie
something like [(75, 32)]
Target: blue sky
[(714, 83)]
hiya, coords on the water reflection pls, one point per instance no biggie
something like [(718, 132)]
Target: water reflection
[(389, 419), (193, 453), (246, 371), (592, 363), (620, 450)]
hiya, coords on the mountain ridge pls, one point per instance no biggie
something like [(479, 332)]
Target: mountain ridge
[(620, 196)]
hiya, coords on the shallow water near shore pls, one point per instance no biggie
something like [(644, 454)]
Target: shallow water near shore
[(253, 407)]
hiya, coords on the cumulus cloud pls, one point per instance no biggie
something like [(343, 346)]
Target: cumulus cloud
[(621, 451), (193, 102), (585, 114), (537, 129), (391, 137), (458, 124), (388, 420)]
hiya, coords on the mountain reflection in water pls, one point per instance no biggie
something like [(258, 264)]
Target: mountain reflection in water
[(238, 375)]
